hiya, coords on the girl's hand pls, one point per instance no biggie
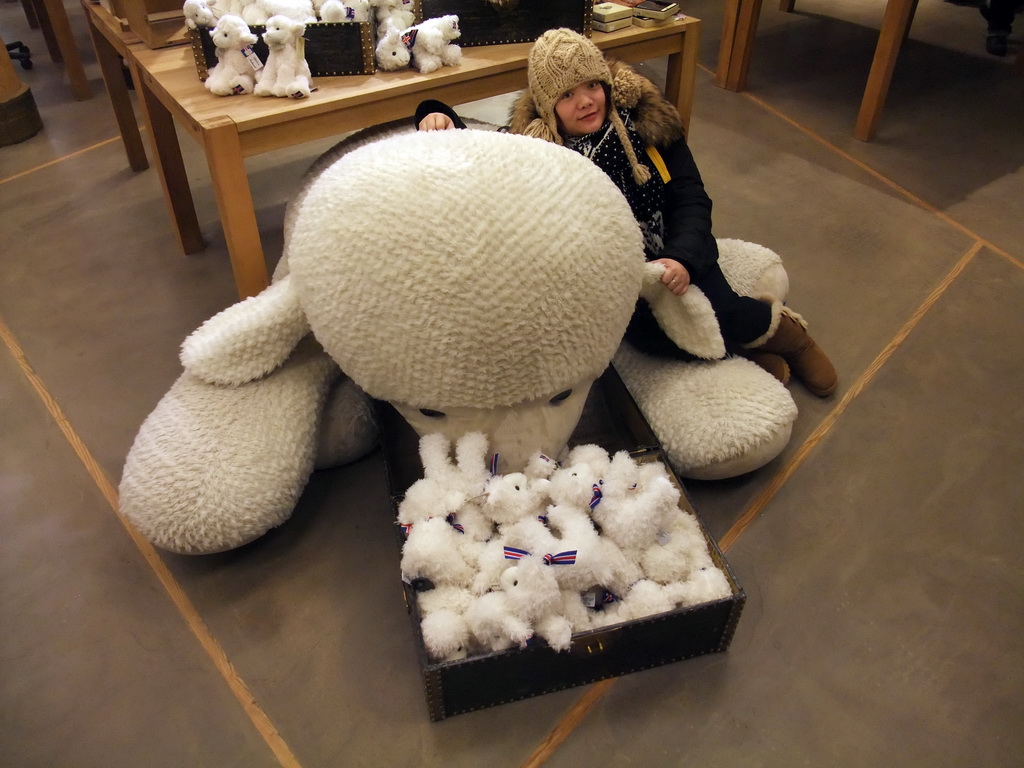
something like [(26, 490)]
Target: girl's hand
[(436, 121), (676, 277)]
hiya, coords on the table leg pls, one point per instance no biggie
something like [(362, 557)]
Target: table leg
[(117, 90), (681, 74), (738, 33), (163, 143), (895, 24), (234, 201), (58, 18)]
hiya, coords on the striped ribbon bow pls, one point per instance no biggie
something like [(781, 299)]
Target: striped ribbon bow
[(562, 558), (452, 522), (596, 498)]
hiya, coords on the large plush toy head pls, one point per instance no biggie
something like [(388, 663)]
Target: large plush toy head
[(476, 280)]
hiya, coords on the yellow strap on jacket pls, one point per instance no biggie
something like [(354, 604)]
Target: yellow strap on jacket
[(659, 163)]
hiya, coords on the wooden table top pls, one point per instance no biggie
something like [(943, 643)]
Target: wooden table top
[(173, 77)]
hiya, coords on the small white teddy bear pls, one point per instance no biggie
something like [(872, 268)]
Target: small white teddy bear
[(286, 72), (234, 72), (427, 46)]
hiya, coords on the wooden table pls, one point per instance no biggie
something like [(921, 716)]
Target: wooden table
[(740, 27), (52, 18), (230, 129), (112, 43)]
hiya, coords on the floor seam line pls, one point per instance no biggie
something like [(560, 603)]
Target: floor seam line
[(60, 159), (945, 217), (797, 459), (186, 609)]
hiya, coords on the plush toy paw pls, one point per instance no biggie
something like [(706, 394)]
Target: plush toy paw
[(196, 481), (715, 419)]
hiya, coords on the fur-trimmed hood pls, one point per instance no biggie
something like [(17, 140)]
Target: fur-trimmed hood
[(656, 119)]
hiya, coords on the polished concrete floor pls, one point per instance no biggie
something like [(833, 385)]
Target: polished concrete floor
[(881, 553)]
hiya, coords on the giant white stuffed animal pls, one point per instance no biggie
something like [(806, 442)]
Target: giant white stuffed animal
[(286, 72), (237, 64), (503, 301)]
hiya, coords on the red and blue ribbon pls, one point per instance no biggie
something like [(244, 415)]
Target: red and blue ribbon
[(562, 558)]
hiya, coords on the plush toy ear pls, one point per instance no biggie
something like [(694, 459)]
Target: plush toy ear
[(247, 340), (689, 320)]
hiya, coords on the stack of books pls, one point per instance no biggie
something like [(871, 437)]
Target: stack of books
[(611, 16)]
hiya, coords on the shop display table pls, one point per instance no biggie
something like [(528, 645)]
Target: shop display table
[(230, 129)]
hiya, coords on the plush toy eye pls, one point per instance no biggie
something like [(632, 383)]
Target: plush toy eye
[(560, 397), (432, 414)]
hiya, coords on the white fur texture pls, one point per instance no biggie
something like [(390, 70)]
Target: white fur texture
[(714, 419), (248, 339), (213, 468), (474, 309), (689, 320)]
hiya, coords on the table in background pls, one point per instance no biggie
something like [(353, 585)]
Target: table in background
[(229, 129), (740, 27)]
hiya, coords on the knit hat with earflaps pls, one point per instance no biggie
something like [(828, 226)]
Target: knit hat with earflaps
[(559, 61)]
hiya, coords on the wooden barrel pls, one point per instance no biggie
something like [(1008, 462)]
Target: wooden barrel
[(19, 116)]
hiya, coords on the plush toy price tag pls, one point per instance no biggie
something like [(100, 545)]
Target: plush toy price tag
[(252, 58)]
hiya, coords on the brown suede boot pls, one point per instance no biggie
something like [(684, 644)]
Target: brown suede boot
[(790, 340), (774, 364)]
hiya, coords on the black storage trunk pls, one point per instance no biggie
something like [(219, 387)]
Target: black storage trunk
[(332, 48), (523, 22), (612, 420)]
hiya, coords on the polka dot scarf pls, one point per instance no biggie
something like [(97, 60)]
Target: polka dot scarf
[(604, 149)]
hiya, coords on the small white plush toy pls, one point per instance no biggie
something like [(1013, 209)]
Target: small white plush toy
[(598, 562), (237, 64), (447, 489), (436, 552), (442, 621), (534, 596), (704, 585), (679, 551), (427, 46), (513, 497), (394, 13), (297, 10), (338, 11), (286, 72), (199, 13), (494, 624), (638, 503)]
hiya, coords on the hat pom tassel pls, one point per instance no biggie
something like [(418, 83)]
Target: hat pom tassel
[(626, 89), (538, 129)]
